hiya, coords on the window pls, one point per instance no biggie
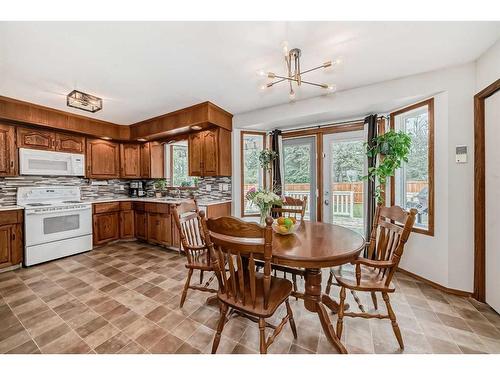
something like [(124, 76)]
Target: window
[(252, 176), (412, 185), (178, 164)]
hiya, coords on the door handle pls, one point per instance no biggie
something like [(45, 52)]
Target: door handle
[(327, 202)]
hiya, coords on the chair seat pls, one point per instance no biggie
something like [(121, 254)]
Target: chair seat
[(279, 292), (200, 262), (371, 280)]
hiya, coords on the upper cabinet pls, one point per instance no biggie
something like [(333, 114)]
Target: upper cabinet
[(8, 159), (50, 141), (210, 153), (103, 159), (70, 143), (36, 138), (130, 160), (152, 160)]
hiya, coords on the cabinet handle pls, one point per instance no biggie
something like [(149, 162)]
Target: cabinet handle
[(12, 164), (13, 236)]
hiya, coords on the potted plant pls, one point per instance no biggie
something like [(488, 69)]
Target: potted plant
[(160, 186), (266, 157), (390, 150), (264, 200)]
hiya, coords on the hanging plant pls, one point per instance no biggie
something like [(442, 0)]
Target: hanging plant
[(266, 157), (390, 150)]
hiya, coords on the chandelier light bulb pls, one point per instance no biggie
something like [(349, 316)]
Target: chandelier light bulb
[(331, 87), (291, 96), (263, 87), (284, 45), (261, 73)]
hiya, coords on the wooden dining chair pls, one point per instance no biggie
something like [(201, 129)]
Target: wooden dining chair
[(292, 207), (235, 246), (187, 220), (390, 231)]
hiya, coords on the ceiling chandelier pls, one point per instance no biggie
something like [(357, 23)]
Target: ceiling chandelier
[(294, 74)]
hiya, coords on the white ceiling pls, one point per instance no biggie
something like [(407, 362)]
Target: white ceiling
[(144, 69)]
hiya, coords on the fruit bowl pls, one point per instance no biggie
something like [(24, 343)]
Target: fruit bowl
[(284, 226)]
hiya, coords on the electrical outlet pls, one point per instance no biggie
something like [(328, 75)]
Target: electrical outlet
[(208, 187), (225, 187), (220, 187)]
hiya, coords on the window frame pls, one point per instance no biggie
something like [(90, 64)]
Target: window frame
[(170, 164), (242, 169), (429, 231)]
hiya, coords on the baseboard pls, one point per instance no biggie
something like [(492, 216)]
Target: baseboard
[(456, 292)]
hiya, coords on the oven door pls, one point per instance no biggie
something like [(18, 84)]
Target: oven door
[(44, 227)]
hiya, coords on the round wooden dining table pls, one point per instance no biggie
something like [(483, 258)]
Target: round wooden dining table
[(312, 247)]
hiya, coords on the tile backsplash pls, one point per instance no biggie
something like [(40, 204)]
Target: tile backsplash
[(114, 189)]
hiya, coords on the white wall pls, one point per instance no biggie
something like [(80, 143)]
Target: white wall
[(447, 257), (488, 67)]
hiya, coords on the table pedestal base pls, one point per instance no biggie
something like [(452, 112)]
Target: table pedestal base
[(315, 301)]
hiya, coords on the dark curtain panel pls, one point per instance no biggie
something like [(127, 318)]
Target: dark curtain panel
[(371, 123), (275, 146)]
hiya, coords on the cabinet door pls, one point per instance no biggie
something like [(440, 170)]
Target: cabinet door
[(145, 160), (8, 159), (11, 250), (195, 150), (130, 160), (35, 138), (176, 238), (141, 231), (159, 229), (70, 143), (103, 159), (127, 224), (157, 160), (6, 245), (106, 227), (210, 154)]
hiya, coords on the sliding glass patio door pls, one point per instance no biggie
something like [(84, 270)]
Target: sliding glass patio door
[(299, 164), (344, 164)]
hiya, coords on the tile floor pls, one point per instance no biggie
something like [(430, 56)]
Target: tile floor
[(123, 298)]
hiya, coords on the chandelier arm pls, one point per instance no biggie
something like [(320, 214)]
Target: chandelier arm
[(323, 86), (285, 78), (278, 81), (311, 70)]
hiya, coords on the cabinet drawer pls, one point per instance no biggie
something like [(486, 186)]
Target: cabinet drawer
[(158, 208), (125, 206), (11, 217), (100, 208)]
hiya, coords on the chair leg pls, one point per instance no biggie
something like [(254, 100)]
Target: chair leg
[(294, 280), (329, 283), (220, 327), (290, 317), (340, 319), (262, 329), (201, 277), (392, 316), (358, 301), (186, 287), (374, 299)]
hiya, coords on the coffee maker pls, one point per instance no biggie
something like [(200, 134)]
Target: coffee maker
[(136, 189)]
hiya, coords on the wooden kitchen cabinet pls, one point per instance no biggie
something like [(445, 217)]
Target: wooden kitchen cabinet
[(127, 220), (210, 153), (130, 160), (106, 227), (152, 156), (36, 138), (141, 225), (70, 143), (159, 229), (8, 155), (103, 159), (11, 238)]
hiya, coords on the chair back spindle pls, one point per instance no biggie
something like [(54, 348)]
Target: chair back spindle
[(237, 245), (292, 207)]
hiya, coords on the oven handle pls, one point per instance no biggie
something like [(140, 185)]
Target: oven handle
[(59, 211)]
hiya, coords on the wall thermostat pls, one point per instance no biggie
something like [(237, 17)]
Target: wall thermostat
[(461, 154)]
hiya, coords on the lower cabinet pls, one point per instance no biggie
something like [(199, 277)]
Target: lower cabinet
[(159, 229), (141, 225), (127, 220), (106, 227), (11, 238)]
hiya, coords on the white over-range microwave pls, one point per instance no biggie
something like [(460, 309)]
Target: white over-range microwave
[(50, 163)]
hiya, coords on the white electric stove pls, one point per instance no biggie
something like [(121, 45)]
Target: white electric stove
[(56, 222)]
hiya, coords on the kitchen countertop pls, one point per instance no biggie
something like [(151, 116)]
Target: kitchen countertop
[(127, 199)]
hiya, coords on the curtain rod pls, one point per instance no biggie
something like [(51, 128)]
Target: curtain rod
[(331, 124)]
